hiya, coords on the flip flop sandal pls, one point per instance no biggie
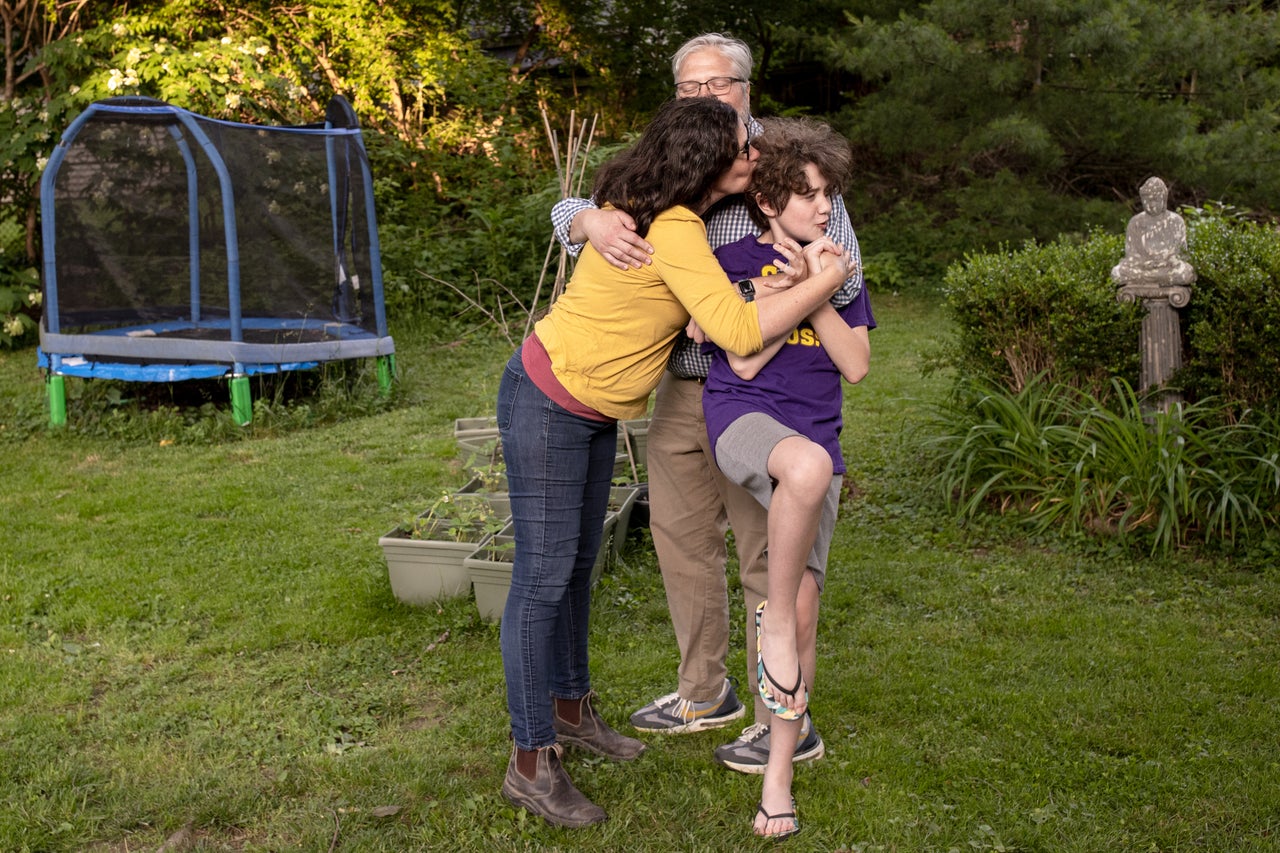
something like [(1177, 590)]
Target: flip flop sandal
[(779, 836), (763, 679)]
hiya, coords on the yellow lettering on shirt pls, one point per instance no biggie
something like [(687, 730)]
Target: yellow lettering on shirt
[(803, 336)]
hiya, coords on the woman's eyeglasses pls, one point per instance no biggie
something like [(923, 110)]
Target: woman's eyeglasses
[(716, 86)]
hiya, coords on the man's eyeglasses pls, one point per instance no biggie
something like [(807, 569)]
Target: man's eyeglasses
[(716, 86)]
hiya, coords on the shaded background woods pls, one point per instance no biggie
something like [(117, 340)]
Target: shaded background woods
[(974, 124)]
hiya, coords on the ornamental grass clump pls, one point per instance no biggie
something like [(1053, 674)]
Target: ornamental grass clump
[(1062, 458)]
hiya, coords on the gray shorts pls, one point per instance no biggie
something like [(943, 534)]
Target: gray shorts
[(742, 453)]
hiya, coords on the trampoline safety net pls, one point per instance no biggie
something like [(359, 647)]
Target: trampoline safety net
[(175, 239)]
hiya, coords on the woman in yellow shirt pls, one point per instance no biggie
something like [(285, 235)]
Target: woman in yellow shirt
[(593, 359)]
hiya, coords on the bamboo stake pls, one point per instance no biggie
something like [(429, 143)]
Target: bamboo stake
[(570, 174)]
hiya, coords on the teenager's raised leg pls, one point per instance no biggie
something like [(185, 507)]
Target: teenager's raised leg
[(802, 471)]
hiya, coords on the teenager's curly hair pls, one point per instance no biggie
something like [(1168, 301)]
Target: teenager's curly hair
[(687, 146), (786, 146)]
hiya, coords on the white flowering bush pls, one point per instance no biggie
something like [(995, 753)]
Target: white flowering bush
[(19, 306), (424, 91)]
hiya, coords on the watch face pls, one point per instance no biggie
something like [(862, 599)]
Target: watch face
[(747, 289)]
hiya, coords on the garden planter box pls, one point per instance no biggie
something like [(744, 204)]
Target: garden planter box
[(606, 546), (488, 567), (639, 509), (425, 570), (478, 437), (622, 500), (634, 434), (489, 564), (425, 564), (486, 427)]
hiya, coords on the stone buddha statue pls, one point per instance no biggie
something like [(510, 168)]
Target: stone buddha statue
[(1153, 242)]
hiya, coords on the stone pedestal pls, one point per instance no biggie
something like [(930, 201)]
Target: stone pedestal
[(1161, 342)]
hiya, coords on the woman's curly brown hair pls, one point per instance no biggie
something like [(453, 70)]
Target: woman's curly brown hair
[(687, 146)]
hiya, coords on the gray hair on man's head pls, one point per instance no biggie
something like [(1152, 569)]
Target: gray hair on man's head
[(732, 49)]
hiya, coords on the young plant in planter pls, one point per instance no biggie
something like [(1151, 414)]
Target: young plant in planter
[(424, 554), (489, 482)]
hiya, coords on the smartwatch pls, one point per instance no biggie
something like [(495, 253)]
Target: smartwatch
[(747, 289)]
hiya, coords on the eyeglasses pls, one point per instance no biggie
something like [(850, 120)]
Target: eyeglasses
[(745, 150), (716, 86)]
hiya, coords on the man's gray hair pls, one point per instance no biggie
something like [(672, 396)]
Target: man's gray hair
[(732, 49)]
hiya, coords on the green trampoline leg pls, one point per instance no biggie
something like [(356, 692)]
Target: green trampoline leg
[(241, 400), (57, 392), (386, 372)]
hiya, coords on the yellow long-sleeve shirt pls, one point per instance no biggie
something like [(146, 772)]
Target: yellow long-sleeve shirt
[(610, 333)]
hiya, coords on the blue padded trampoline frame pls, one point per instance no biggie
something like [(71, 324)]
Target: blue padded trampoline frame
[(83, 355)]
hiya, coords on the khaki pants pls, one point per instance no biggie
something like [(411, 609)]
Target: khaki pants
[(691, 505)]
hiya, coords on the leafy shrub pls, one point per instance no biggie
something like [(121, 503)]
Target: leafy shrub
[(19, 306), (1047, 310), (1060, 458), (19, 290), (1232, 326), (468, 242), (487, 239)]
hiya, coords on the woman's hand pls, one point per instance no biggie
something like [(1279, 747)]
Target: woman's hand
[(694, 331)]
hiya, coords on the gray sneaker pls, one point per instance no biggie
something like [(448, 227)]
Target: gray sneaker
[(750, 752), (672, 715)]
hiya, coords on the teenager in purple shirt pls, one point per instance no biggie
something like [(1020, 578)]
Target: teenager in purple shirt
[(774, 419)]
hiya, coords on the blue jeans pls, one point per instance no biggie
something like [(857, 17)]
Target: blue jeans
[(559, 468)]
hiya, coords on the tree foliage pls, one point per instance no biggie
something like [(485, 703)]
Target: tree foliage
[(447, 125), (1085, 98), (974, 124), (403, 64)]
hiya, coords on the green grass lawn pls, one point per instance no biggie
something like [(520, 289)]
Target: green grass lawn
[(199, 646)]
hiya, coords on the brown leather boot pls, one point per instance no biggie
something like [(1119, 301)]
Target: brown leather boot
[(590, 731), (550, 794)]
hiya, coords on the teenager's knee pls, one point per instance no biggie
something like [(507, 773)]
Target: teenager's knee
[(802, 467)]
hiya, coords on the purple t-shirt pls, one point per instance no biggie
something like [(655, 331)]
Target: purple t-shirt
[(800, 387)]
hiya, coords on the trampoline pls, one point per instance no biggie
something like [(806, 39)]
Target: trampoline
[(180, 247)]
